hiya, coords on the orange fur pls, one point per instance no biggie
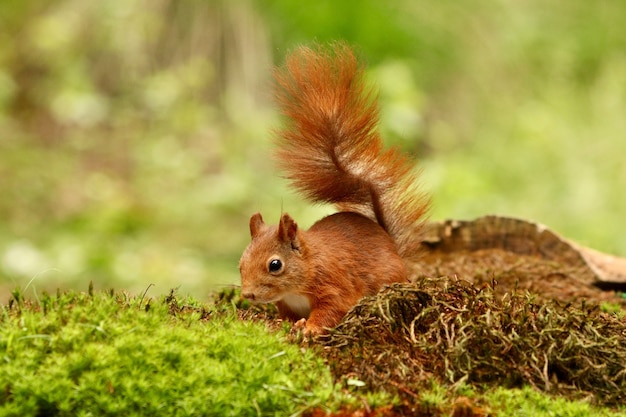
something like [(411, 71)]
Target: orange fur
[(331, 152)]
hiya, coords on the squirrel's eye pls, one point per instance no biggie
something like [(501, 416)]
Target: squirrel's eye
[(275, 265)]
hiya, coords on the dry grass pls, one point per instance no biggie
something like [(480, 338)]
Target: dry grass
[(456, 333)]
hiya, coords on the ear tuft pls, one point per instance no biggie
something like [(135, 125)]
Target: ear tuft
[(256, 225), (288, 230)]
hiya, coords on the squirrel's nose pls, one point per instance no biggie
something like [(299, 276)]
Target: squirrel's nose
[(248, 295)]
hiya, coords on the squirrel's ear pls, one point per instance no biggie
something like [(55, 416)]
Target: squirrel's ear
[(256, 224), (288, 230)]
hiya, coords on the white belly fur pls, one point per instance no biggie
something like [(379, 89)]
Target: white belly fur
[(299, 304)]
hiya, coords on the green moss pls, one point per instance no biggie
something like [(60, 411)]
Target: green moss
[(529, 402), (613, 308), (76, 354)]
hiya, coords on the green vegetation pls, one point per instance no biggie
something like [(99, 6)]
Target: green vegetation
[(110, 354), (103, 354), (528, 402)]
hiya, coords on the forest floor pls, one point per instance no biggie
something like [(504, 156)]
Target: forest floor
[(482, 333)]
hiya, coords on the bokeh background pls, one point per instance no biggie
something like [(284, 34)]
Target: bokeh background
[(135, 135)]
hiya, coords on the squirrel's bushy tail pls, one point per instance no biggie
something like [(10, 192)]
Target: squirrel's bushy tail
[(330, 148)]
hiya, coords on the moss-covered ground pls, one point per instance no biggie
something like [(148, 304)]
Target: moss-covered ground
[(99, 354), (470, 341), (109, 353)]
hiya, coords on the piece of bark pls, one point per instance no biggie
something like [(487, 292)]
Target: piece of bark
[(526, 238)]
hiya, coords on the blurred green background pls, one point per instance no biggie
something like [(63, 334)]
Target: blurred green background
[(135, 134)]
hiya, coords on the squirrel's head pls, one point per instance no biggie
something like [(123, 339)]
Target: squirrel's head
[(272, 265)]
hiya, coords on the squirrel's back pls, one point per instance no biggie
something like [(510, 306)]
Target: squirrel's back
[(330, 148)]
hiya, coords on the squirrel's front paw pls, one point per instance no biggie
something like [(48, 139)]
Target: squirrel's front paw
[(298, 331), (306, 328), (300, 325)]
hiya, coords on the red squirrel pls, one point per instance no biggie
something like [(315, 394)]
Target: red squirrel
[(331, 152)]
